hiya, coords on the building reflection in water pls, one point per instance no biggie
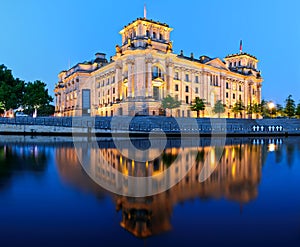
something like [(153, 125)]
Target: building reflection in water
[(236, 177)]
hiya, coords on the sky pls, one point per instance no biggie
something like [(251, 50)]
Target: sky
[(40, 38)]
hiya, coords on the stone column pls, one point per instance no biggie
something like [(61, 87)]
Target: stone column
[(205, 86), (169, 76), (130, 63), (117, 82), (250, 92), (182, 89), (221, 84), (149, 90), (192, 85), (259, 93), (230, 91), (246, 93), (201, 86)]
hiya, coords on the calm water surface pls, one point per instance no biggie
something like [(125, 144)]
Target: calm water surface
[(251, 199)]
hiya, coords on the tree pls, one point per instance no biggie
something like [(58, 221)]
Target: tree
[(36, 96), (263, 108), (219, 108), (297, 113), (198, 105), (290, 106), (11, 89), (2, 108), (47, 110), (238, 107), (279, 110), (256, 109), (170, 103), (249, 109)]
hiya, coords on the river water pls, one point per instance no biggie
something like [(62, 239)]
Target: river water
[(52, 194)]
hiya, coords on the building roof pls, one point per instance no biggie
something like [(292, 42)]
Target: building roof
[(148, 20), (240, 54)]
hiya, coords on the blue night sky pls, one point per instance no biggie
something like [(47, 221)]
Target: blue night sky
[(41, 38)]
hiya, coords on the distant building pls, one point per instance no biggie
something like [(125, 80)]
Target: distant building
[(144, 70)]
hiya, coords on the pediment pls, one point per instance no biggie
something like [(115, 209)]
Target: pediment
[(217, 63)]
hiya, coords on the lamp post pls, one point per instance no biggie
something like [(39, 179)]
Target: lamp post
[(271, 106)]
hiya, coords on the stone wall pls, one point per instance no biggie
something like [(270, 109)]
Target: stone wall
[(144, 124)]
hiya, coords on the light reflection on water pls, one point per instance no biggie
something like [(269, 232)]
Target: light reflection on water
[(251, 175)]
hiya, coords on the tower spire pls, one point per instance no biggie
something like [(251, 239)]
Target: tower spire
[(145, 11)]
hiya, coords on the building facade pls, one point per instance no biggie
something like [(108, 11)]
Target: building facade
[(144, 70)]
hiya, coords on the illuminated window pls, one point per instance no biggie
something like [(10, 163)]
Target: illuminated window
[(187, 77), (156, 72), (187, 99)]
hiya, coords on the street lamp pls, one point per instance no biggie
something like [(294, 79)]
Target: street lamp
[(271, 106)]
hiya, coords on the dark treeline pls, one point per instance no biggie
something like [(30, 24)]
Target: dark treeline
[(27, 96)]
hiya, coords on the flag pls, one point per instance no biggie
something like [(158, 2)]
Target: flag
[(241, 45)]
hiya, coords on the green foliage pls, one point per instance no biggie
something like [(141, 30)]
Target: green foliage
[(279, 110), (253, 109), (219, 108), (2, 108), (290, 107), (198, 105), (238, 107), (11, 89), (46, 110), (36, 96), (170, 103), (249, 109), (297, 113), (15, 93), (263, 108)]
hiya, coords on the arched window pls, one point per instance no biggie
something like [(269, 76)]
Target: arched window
[(161, 37), (154, 35), (147, 33), (156, 72)]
